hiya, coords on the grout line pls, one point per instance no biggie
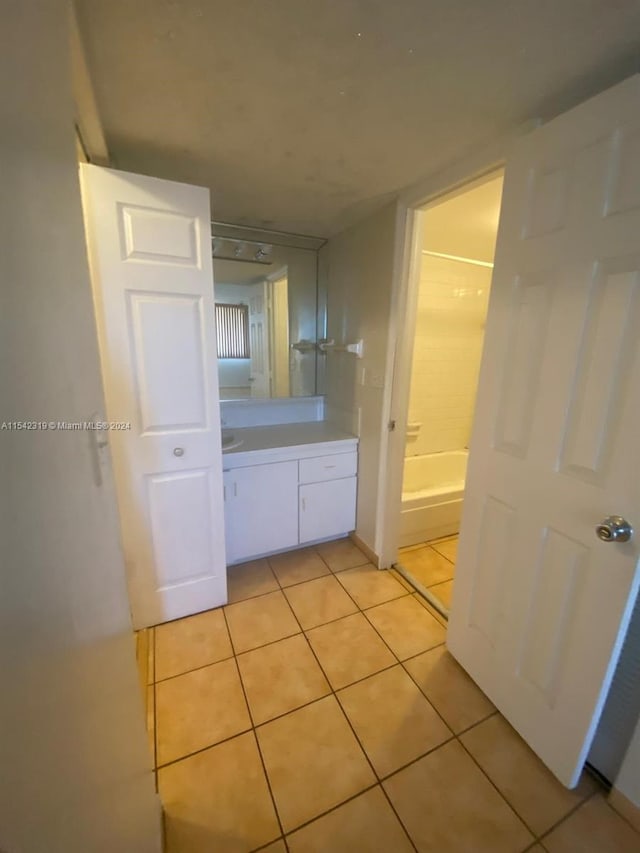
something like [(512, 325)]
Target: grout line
[(444, 556), (415, 760), (270, 843), (204, 748), (253, 730), (334, 808), (417, 654), (478, 723), (194, 669), (566, 817), (511, 806)]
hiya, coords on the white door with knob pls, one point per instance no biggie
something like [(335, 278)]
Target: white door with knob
[(541, 603), (149, 245), (260, 378)]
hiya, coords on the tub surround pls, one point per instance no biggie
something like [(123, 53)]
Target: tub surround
[(433, 490)]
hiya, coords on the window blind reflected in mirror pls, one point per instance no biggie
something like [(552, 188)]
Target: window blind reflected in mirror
[(232, 331)]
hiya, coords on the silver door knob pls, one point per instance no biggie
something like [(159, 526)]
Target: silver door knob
[(178, 451), (614, 528)]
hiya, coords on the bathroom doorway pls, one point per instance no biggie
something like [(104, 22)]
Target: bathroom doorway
[(456, 238)]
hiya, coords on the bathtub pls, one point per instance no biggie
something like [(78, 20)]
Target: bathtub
[(432, 492)]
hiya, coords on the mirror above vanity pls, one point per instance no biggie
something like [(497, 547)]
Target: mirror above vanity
[(270, 313)]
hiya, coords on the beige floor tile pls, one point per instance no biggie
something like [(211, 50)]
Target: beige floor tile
[(447, 804), (593, 828), (366, 824), (369, 586), (394, 722), (406, 626), (189, 643), (249, 580), (430, 609), (427, 566), (198, 709), (524, 781), (349, 649), (298, 566), (455, 696), (276, 847), (258, 621), (443, 591), (280, 677), (319, 601), (313, 761), (218, 800), (341, 554), (447, 547)]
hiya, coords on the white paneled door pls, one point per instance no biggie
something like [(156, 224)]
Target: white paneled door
[(150, 254), (259, 341), (540, 603)]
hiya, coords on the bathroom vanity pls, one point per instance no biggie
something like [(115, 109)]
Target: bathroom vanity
[(287, 485)]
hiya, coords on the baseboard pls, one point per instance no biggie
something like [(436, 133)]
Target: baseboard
[(370, 554), (625, 807)]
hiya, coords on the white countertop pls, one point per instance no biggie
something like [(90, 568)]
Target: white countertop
[(259, 441)]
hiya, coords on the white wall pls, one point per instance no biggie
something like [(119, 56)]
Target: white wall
[(358, 268), (76, 771), (451, 313)]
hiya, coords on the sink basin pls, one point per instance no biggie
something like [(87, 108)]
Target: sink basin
[(229, 440)]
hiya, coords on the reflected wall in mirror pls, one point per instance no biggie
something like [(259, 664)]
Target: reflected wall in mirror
[(267, 343)]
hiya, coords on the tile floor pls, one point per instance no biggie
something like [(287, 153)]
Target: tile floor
[(320, 711), (433, 565)]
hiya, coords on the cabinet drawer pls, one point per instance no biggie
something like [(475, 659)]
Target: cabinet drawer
[(332, 467)]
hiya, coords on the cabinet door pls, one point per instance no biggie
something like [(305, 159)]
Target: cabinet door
[(261, 509), (327, 509)]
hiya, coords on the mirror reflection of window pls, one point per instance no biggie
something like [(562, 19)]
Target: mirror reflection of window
[(280, 298), (253, 338)]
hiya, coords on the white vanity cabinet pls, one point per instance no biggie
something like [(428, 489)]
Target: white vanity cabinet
[(279, 497), (260, 509), (328, 488)]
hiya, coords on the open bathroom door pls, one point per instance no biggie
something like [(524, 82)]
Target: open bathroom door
[(541, 604), (149, 246), (260, 378)]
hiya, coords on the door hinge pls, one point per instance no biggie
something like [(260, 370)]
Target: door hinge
[(391, 426)]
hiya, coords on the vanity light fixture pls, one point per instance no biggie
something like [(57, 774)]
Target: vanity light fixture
[(233, 249)]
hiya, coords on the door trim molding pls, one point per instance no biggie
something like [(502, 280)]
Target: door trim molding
[(472, 171)]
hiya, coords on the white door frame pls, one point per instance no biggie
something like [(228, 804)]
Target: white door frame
[(472, 171)]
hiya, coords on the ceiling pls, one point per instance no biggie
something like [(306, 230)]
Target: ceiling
[(304, 115), (465, 225)]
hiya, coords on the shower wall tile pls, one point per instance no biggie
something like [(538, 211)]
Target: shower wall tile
[(451, 312)]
